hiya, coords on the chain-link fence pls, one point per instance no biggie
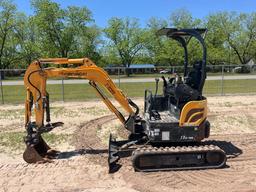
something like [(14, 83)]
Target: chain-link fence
[(221, 80)]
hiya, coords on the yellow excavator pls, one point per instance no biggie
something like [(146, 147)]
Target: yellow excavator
[(166, 137)]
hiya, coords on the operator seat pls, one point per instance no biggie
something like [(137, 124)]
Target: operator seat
[(184, 93), (194, 76)]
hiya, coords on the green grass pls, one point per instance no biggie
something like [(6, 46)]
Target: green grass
[(15, 142), (82, 92), (154, 75), (15, 78), (12, 140), (149, 75), (12, 114), (230, 86)]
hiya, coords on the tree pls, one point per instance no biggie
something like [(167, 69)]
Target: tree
[(154, 44), (27, 45), (162, 50), (60, 31), (86, 38), (127, 39), (217, 51), (251, 32), (7, 23), (109, 55), (238, 31), (182, 18), (86, 43)]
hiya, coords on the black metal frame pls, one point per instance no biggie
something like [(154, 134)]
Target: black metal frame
[(177, 135), (183, 36)]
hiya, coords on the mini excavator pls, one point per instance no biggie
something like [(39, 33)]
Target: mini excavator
[(166, 137)]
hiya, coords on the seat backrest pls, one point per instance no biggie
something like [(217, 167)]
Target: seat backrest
[(194, 76)]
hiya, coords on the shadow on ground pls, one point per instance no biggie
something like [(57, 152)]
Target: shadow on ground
[(229, 148), (69, 154)]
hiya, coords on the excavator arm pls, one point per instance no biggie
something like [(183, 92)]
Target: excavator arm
[(38, 98)]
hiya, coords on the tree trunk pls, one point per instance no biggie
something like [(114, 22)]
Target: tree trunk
[(127, 71), (127, 64), (2, 75)]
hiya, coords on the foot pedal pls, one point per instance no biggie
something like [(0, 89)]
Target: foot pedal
[(155, 115)]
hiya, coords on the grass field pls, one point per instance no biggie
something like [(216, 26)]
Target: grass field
[(150, 75), (14, 140), (153, 75), (79, 92)]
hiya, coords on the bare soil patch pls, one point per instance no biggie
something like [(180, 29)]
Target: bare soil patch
[(82, 166)]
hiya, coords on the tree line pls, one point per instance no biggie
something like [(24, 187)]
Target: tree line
[(53, 31)]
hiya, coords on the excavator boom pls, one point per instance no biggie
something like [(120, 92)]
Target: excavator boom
[(35, 82)]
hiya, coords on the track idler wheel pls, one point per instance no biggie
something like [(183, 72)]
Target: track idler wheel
[(215, 158), (39, 153)]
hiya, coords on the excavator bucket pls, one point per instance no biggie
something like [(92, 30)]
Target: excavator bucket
[(39, 153)]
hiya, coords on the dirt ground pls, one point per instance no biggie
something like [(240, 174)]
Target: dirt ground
[(82, 164)]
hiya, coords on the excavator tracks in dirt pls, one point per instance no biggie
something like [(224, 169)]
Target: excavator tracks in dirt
[(149, 158)]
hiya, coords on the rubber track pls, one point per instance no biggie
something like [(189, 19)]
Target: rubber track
[(180, 149)]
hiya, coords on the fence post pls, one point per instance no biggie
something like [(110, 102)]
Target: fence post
[(62, 89), (118, 72), (222, 80), (1, 84)]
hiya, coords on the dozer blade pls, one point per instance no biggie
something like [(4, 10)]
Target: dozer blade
[(113, 155), (178, 158), (39, 153)]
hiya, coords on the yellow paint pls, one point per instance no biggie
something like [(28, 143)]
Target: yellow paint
[(36, 76), (188, 107)]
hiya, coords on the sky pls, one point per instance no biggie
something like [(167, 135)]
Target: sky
[(145, 9)]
